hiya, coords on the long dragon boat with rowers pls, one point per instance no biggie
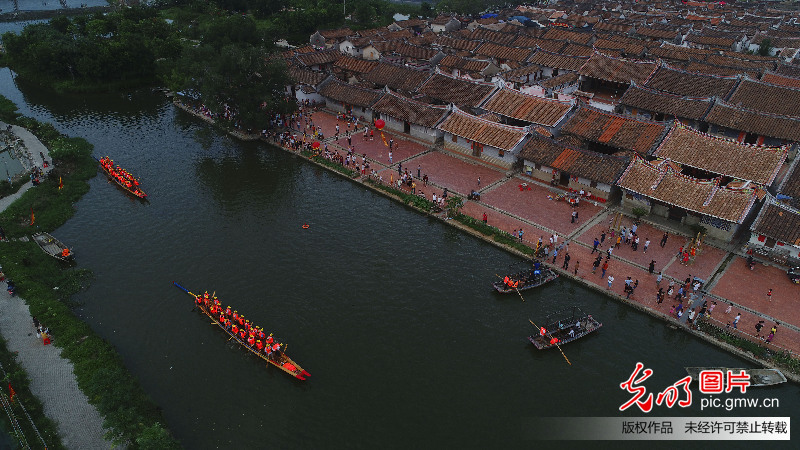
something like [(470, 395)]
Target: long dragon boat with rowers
[(122, 177), (248, 335)]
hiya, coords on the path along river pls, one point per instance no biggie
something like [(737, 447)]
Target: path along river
[(390, 311)]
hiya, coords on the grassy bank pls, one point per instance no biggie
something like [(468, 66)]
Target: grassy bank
[(130, 417)]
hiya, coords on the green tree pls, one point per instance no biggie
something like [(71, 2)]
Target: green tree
[(765, 48)]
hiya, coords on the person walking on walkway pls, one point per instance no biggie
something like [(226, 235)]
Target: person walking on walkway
[(479, 181), (610, 280), (565, 266), (605, 267), (658, 279), (652, 266), (594, 245), (596, 264), (759, 326), (574, 216), (485, 218), (736, 320), (603, 236), (769, 295), (664, 239), (577, 264), (555, 254), (646, 244)]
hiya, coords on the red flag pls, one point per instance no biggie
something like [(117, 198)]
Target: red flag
[(11, 392), (33, 218), (384, 139), (60, 183)]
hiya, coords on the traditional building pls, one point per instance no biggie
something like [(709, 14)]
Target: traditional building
[(550, 161), (661, 189), (776, 230), (343, 97), (462, 93), (484, 139), (609, 133), (521, 109), (404, 115)]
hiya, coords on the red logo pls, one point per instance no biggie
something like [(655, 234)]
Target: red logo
[(668, 396)]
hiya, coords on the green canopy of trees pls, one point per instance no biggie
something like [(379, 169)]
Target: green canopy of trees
[(118, 48)]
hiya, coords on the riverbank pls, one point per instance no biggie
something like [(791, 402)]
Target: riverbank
[(499, 192), (81, 379), (51, 377)]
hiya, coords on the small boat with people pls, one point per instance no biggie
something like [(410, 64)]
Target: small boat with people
[(536, 276), (758, 377), (53, 246), (122, 177), (564, 327), (246, 333)]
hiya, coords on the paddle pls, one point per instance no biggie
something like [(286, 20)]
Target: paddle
[(551, 337)]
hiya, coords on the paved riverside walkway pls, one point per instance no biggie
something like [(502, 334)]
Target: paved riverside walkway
[(513, 201), (52, 379)]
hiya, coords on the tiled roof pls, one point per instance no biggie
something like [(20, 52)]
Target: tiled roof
[(307, 77), (722, 156), (483, 131), (767, 97), (556, 61), (566, 35), (613, 27), (629, 49), (788, 70), (665, 103), (751, 121), (582, 163), (319, 57), (502, 52), (455, 43), (703, 197), (544, 44), (453, 90), (402, 108), (396, 77), (791, 186), (616, 130), (337, 33), (658, 32), (515, 104), (564, 78), (357, 65), (741, 63), (349, 94), (680, 82), (450, 62), (484, 34), (618, 70), (713, 41), (676, 52), (781, 80), (779, 222), (708, 69), (411, 51), (572, 49)]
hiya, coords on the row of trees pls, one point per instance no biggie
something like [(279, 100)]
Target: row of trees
[(221, 51)]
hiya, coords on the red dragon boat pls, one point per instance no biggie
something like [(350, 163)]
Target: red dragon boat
[(122, 177), (277, 357)]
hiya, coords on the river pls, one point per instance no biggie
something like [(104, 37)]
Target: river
[(390, 311)]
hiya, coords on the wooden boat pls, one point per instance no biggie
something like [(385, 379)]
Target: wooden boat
[(277, 359), (53, 246), (564, 327), (758, 377), (121, 177), (528, 279)]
